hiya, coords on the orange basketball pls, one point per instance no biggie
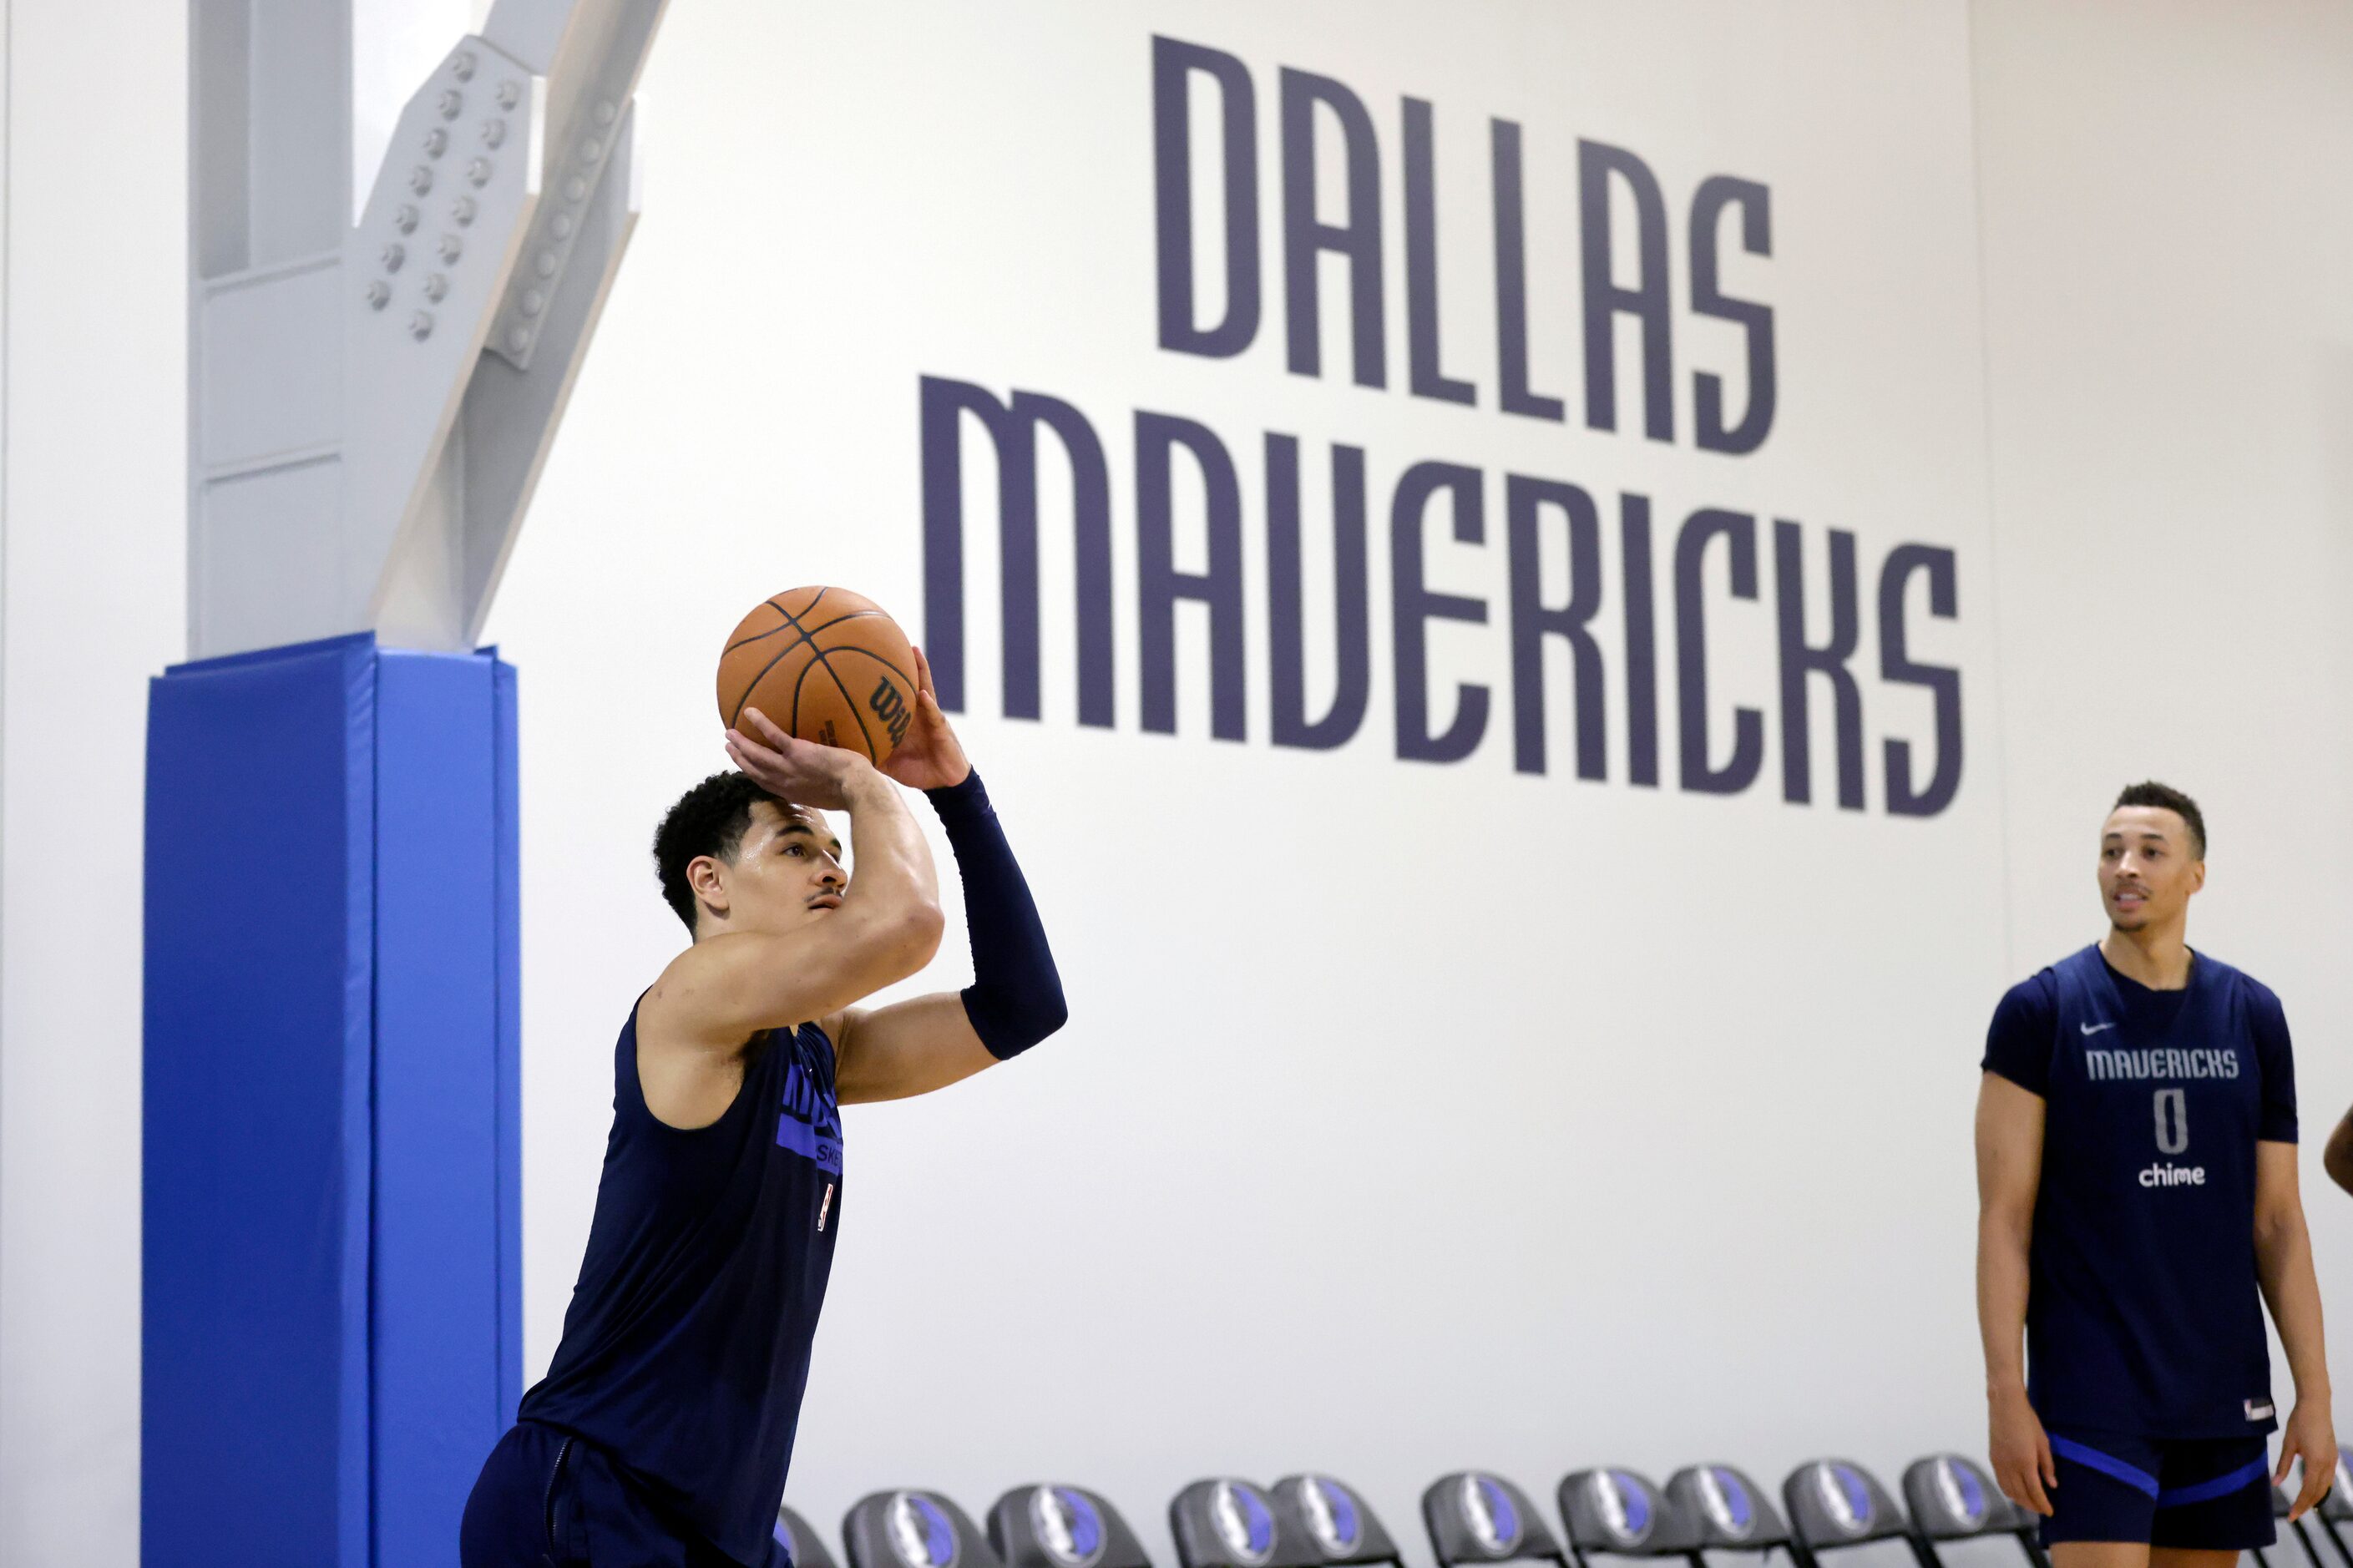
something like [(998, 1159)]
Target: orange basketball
[(824, 664)]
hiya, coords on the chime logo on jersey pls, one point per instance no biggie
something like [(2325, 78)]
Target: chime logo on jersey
[(1624, 1504), (1959, 1489), (1332, 1516), (808, 1123), (1243, 1522), (1068, 1526), (1844, 1497), (1487, 1509), (920, 1532), (1726, 1501)]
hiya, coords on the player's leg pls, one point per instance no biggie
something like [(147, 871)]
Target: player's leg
[(2099, 1554)]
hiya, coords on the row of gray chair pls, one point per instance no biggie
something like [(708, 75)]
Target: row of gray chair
[(1474, 1519)]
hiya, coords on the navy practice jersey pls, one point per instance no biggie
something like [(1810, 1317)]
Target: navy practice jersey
[(686, 1343), (2143, 1315)]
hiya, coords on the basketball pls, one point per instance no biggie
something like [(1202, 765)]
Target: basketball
[(824, 665)]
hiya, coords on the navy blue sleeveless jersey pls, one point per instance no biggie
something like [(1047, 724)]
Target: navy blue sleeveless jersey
[(686, 1346), (2143, 1312)]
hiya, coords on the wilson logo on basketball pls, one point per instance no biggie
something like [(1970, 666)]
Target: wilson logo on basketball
[(891, 709)]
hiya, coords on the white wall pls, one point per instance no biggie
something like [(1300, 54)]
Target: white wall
[(94, 539), (2133, 443)]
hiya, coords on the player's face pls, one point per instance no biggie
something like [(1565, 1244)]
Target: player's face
[(2148, 866), (788, 871)]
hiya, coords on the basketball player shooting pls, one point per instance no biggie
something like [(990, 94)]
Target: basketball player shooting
[(664, 1427), (2136, 1179)]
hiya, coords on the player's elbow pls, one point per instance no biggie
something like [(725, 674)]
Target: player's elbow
[(909, 938)]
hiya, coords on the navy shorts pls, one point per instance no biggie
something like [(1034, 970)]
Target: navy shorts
[(2204, 1494), (548, 1499)]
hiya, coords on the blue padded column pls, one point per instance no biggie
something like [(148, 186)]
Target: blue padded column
[(333, 1313), (444, 792)]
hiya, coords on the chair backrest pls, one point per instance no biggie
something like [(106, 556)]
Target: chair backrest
[(1334, 1518), (914, 1530), (1729, 1512), (804, 1545), (2337, 1506), (1950, 1499), (1062, 1527), (1617, 1511), (1225, 1523), (1837, 1502), (1476, 1516)]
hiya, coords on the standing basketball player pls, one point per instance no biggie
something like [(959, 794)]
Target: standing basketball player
[(662, 1431), (2136, 1181)]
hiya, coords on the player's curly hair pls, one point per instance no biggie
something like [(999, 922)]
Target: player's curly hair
[(2151, 793), (707, 819)]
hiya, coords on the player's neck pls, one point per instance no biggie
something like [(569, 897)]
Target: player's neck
[(2157, 956)]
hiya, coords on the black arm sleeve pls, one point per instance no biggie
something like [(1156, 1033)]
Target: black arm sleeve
[(1015, 997)]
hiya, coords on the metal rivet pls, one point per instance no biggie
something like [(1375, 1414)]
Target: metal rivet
[(606, 113), (479, 171), (392, 255), (436, 284), (451, 247), (404, 219), (462, 67), (437, 141), (593, 151), (420, 325), (453, 103), (376, 294), (510, 94), (420, 179), (533, 302), (562, 227), (545, 262), (574, 188), (494, 133), (461, 211), (518, 339)]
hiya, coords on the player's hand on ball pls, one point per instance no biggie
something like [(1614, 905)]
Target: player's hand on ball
[(2020, 1452), (801, 771), (2310, 1435), (931, 757)]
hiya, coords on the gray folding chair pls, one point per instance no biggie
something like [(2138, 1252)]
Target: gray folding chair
[(1616, 1512), (804, 1546), (1951, 1500), (1332, 1517), (914, 1530), (1062, 1527), (1477, 1516), (1223, 1522), (1727, 1511), (1836, 1503)]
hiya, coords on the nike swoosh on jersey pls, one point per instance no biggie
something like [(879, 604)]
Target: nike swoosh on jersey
[(2095, 1028)]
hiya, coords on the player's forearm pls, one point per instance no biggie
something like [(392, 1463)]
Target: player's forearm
[(2283, 1267), (1015, 997), (2002, 1274), (896, 890)]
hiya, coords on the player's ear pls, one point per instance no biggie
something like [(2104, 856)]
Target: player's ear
[(2197, 875), (707, 875)]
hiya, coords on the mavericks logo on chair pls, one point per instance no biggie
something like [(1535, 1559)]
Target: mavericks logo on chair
[(1844, 1497), (1959, 1489), (1243, 1522), (921, 1533), (1332, 1515), (1487, 1510), (1726, 1501), (1623, 1503), (1068, 1526)]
